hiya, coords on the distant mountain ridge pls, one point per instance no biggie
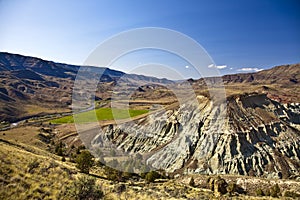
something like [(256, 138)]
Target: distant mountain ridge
[(283, 73), (29, 80), (14, 62)]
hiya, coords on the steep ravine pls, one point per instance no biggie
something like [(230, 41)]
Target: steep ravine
[(252, 135)]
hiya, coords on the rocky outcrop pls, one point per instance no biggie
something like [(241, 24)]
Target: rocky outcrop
[(250, 135)]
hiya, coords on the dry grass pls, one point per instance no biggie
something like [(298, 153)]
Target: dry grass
[(37, 109), (27, 175), (30, 174), (29, 171), (27, 135)]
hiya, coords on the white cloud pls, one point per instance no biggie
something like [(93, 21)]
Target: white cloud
[(186, 66), (221, 66), (217, 66), (249, 69)]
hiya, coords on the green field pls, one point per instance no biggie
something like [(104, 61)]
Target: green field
[(101, 114)]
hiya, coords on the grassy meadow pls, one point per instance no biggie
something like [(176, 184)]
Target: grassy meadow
[(101, 114)]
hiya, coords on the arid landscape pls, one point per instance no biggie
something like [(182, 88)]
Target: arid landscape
[(254, 153)]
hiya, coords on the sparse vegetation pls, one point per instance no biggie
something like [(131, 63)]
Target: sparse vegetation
[(84, 161), (231, 188), (33, 165), (275, 191), (152, 176), (291, 194), (59, 149), (113, 174), (30, 175), (84, 187), (259, 192), (52, 179), (267, 192)]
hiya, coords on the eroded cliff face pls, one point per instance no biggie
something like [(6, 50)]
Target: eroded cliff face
[(262, 138), (249, 135)]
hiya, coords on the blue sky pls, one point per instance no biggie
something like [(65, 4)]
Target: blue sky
[(244, 35)]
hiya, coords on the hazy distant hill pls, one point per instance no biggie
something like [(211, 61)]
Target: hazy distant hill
[(27, 80), (44, 84), (285, 74), (15, 62)]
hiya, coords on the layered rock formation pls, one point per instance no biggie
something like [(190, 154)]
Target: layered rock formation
[(253, 135)]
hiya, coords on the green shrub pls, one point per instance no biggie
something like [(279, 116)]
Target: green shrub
[(113, 174), (85, 188), (84, 161), (151, 176), (259, 192), (220, 185), (120, 188), (275, 191), (291, 194), (231, 188), (267, 192), (192, 182), (32, 165), (59, 149)]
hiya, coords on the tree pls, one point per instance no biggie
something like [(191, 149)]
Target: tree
[(192, 182), (59, 149), (84, 161), (220, 186)]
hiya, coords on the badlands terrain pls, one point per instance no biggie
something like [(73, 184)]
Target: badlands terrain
[(149, 138)]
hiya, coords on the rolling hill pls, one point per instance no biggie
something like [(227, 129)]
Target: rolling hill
[(31, 86), (256, 144)]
